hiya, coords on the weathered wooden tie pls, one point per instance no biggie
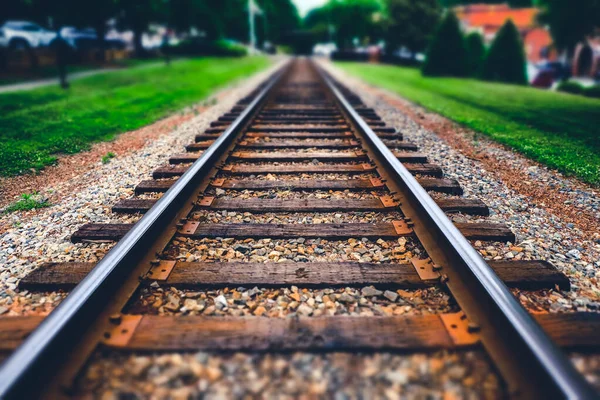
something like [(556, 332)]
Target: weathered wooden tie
[(298, 128), (528, 275), (575, 331), (450, 186)]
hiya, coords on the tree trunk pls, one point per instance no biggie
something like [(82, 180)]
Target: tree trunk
[(62, 52), (100, 28), (137, 42)]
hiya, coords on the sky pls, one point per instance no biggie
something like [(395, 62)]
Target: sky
[(306, 5)]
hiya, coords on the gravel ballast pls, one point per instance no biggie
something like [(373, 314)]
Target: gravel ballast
[(442, 375)]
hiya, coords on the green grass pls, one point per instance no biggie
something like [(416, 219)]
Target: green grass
[(27, 202), (107, 157), (38, 125), (559, 130)]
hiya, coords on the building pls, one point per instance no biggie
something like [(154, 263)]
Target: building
[(487, 19), (586, 60)]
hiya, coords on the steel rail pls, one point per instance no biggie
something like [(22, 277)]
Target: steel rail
[(43, 351), (532, 364)]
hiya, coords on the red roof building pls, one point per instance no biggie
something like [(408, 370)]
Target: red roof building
[(487, 19)]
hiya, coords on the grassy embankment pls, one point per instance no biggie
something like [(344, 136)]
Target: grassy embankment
[(559, 130), (38, 125)]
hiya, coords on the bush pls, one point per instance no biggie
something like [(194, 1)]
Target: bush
[(505, 61), (202, 47), (570, 87), (345, 55), (447, 53), (475, 54), (593, 91)]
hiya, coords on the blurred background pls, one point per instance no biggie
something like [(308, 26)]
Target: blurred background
[(553, 41)]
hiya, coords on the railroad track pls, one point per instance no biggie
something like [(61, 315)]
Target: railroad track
[(300, 144)]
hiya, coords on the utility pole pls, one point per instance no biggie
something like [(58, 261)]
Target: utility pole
[(251, 24)]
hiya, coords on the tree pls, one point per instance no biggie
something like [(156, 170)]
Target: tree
[(447, 53), (411, 23), (350, 19), (475, 54), (570, 23), (137, 15), (279, 18), (505, 61), (512, 3), (93, 14)]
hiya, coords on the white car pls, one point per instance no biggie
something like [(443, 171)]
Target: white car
[(24, 34)]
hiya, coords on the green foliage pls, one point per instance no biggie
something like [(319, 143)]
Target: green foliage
[(570, 21), (350, 19), (475, 54), (447, 53), (39, 124), (107, 157), (217, 19), (593, 91), (558, 130), (279, 19), (570, 87), (576, 88), (201, 47), (229, 18), (411, 23), (27, 202), (512, 3), (505, 62)]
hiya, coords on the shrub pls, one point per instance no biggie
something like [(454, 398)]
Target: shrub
[(475, 54), (27, 202), (202, 47), (593, 91), (447, 53), (505, 62), (570, 87), (107, 157)]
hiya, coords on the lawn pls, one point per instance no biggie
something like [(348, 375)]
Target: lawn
[(559, 130), (37, 125)]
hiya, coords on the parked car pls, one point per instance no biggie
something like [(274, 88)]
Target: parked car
[(82, 39), (24, 34), (543, 78), (559, 70), (79, 38)]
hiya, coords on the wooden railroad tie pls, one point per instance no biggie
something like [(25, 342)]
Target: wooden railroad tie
[(298, 128), (279, 156), (258, 205), (576, 331), (526, 275), (442, 185), (420, 169), (475, 231), (298, 143)]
